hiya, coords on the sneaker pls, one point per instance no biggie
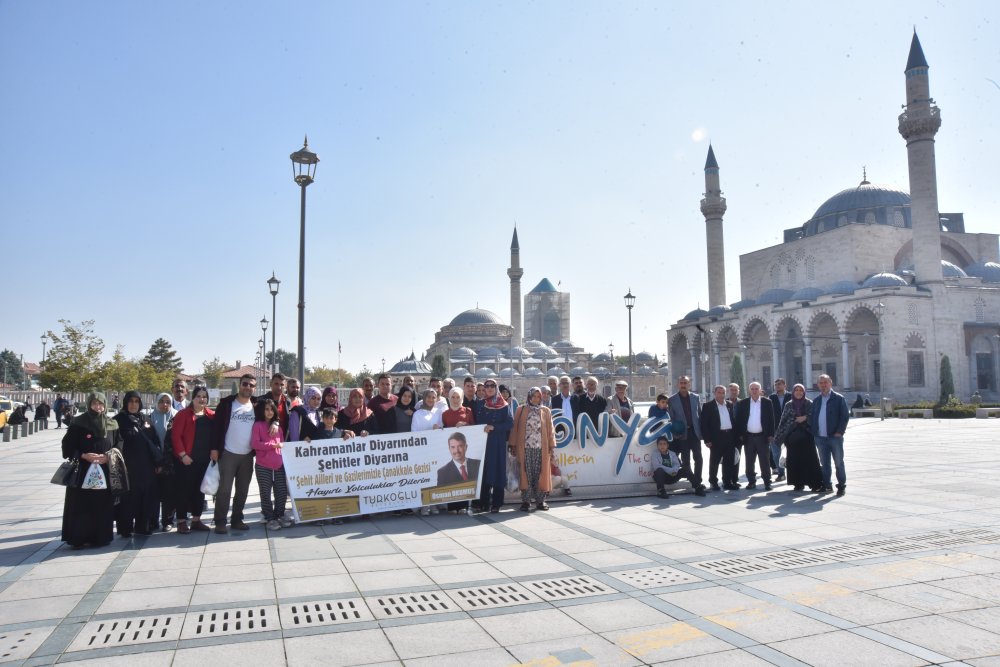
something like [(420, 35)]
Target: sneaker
[(435, 510), (780, 477), (661, 492), (285, 521), (544, 506), (425, 511), (273, 524)]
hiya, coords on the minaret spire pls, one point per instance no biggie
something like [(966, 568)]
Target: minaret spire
[(918, 124), (713, 207), (514, 273)]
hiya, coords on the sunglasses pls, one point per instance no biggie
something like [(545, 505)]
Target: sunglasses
[(249, 384), (490, 386)]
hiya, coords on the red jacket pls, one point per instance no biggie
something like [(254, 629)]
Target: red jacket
[(183, 431)]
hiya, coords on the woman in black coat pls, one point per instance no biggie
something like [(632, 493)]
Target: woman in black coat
[(140, 507), (801, 459)]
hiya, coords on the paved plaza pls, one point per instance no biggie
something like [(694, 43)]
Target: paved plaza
[(903, 570)]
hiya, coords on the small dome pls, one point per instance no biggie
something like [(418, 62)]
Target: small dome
[(475, 316), (412, 366), (463, 353), (621, 370), (807, 294), (601, 372), (695, 314), (557, 370), (509, 373), (544, 352), (949, 270), (842, 287), (864, 196), (518, 352), (745, 303), (776, 295), (646, 370), (603, 356), (488, 353), (644, 357), (719, 310), (989, 272), (579, 370), (461, 371), (533, 372), (563, 343), (485, 372), (534, 343), (884, 279)]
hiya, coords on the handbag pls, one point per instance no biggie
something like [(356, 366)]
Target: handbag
[(210, 482), (66, 472), (783, 457), (513, 473), (95, 479)]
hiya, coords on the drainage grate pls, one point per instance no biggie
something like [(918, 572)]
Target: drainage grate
[(940, 539), (568, 588), (654, 577), (843, 552), (792, 559), (734, 567), (329, 612), (979, 534), (893, 546), (237, 621), (491, 597), (17, 645), (128, 631), (410, 604)]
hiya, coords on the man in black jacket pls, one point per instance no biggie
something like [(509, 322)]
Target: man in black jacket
[(755, 426), (231, 430), (718, 430)]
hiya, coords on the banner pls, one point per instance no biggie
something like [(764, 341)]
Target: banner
[(382, 473)]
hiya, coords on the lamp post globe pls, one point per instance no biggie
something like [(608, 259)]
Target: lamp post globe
[(304, 163), (629, 304), (272, 287)]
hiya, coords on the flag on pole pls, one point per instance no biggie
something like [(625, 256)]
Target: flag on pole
[(339, 349)]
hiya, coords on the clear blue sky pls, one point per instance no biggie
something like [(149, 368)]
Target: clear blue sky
[(146, 182)]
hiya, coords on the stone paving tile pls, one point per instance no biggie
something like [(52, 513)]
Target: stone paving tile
[(153, 598), (163, 563), (438, 638), (612, 558), (390, 563), (234, 558), (531, 626), (130, 580), (931, 599), (945, 636), (580, 545), (268, 652), (467, 572), (668, 641), (490, 657), (157, 659), (378, 581), (842, 649), (44, 588), (615, 615), (228, 593), (966, 562), (427, 544), (307, 568), (581, 650), (531, 566), (359, 647), (684, 550), (987, 618), (307, 586), (223, 574)]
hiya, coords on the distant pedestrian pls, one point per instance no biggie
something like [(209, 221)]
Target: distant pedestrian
[(59, 408), (42, 413)]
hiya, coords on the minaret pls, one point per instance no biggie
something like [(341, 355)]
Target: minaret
[(918, 124), (713, 207), (514, 273)]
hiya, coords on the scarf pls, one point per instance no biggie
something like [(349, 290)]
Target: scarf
[(330, 391), (97, 423), (161, 420), (497, 402), (799, 404), (357, 415), (117, 473)]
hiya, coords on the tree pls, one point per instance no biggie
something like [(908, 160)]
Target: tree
[(118, 374), (152, 381), (438, 367), (947, 381), (736, 373), (324, 376), (12, 371), (162, 357), (212, 372), (287, 361), (74, 358)]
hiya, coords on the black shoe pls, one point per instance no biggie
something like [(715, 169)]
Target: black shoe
[(567, 492), (752, 485), (841, 490), (780, 477), (767, 486), (543, 506), (715, 486), (525, 507), (661, 492), (239, 525), (699, 490), (799, 487), (494, 510)]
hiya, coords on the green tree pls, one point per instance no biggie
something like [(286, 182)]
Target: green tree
[(74, 357), (152, 381), (162, 357), (119, 374), (287, 361), (324, 376), (212, 372), (11, 368), (736, 373), (438, 367), (947, 381)]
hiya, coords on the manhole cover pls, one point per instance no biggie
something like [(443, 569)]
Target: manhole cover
[(843, 552), (734, 567), (128, 631), (490, 597), (230, 622), (940, 539), (788, 560), (410, 604), (654, 577), (893, 545), (330, 612), (568, 588), (16, 645)]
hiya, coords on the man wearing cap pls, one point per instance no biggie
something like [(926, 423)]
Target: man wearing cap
[(620, 404)]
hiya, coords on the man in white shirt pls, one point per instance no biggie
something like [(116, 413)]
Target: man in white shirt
[(231, 430), (180, 393), (755, 426), (718, 429)]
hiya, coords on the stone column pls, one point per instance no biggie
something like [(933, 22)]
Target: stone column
[(845, 360), (694, 369), (775, 371), (807, 361), (717, 377)]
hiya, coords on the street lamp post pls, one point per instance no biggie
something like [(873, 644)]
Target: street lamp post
[(45, 340), (263, 337), (879, 310), (304, 163), (272, 285), (629, 303)]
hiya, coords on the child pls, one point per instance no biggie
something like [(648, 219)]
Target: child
[(269, 466), (667, 469), (559, 481), (328, 430)]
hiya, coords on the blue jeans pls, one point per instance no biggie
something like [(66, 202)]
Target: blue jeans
[(776, 455), (835, 446)]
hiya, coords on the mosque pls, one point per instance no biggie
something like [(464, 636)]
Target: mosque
[(826, 301), (478, 342)]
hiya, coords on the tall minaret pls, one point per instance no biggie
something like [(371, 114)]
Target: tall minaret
[(713, 207), (918, 124), (514, 273)]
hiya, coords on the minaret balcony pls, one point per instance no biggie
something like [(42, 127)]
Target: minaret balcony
[(713, 207), (921, 121)]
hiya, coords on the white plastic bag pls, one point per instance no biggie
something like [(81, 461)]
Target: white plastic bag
[(784, 455), (210, 482), (94, 479), (513, 473)]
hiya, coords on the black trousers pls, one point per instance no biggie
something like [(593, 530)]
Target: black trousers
[(755, 447), (662, 477), (689, 450), (723, 452)]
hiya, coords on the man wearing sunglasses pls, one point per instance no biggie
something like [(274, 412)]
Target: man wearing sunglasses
[(231, 431)]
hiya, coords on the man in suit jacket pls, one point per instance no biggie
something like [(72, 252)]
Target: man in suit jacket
[(717, 427), (755, 426), (459, 469), (778, 400), (590, 402), (828, 421), (685, 406)]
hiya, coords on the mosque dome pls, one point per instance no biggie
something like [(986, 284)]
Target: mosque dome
[(842, 287), (603, 356), (485, 372), (463, 353), (509, 373), (488, 353), (621, 370), (579, 370), (744, 303), (557, 370), (988, 271), (776, 295), (533, 371), (948, 270), (461, 371), (884, 279), (646, 370), (865, 203), (601, 372), (644, 357), (518, 352), (807, 294), (534, 343), (413, 366), (719, 310), (563, 343), (695, 314), (475, 316)]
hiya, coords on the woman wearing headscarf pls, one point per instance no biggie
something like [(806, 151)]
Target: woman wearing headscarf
[(457, 413), (533, 438), (356, 417), (428, 414), (330, 399), (493, 414), (511, 401), (140, 507), (304, 419), (404, 409), (162, 419), (88, 514), (801, 460), (192, 440)]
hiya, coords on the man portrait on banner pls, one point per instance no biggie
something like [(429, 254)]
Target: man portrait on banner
[(459, 469)]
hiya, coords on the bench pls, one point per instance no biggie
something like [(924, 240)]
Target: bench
[(866, 412), (924, 413), (986, 413)]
